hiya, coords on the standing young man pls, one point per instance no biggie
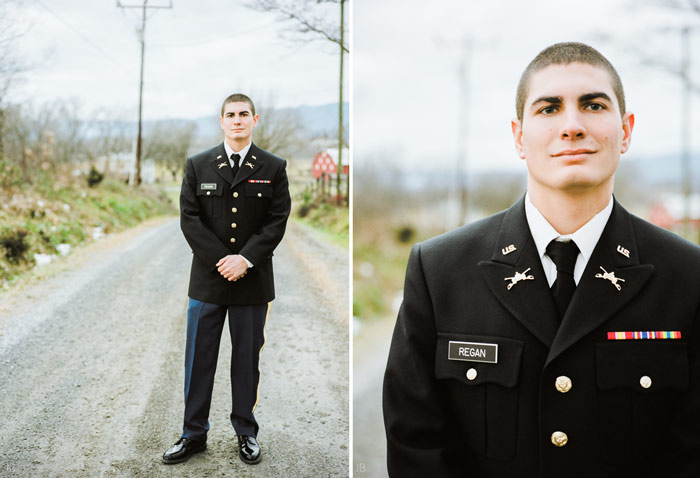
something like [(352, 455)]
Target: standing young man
[(561, 336), (234, 205)]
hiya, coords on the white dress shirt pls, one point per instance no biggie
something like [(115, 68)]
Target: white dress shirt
[(585, 238), (230, 151), (242, 153)]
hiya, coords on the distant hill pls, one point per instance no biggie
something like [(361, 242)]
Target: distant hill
[(320, 120), (662, 170)]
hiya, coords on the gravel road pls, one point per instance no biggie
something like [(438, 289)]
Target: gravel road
[(371, 349), (91, 364)]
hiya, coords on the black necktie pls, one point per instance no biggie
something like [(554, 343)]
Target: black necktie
[(564, 255), (235, 157)]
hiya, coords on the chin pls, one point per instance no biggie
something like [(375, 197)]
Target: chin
[(581, 184)]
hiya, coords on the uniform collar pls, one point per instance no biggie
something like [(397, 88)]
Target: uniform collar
[(586, 237), (243, 152)]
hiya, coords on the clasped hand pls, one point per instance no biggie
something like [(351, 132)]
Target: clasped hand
[(232, 267)]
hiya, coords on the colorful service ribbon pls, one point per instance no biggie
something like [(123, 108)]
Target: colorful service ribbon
[(645, 335)]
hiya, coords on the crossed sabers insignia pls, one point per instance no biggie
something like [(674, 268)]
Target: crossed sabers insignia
[(518, 277), (611, 277), (248, 163), (221, 165)]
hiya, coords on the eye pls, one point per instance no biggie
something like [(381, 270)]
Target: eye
[(548, 110), (595, 107)]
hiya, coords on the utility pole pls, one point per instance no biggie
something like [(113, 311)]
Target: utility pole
[(686, 170), (462, 130), (340, 108), (142, 35)]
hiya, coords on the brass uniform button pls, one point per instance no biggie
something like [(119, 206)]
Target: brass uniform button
[(645, 381), (233, 225), (563, 383), (235, 194), (559, 439), (471, 374), (233, 209), (259, 195), (208, 193), (233, 239)]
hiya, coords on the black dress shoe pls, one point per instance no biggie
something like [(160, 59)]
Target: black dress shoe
[(182, 450), (249, 449)]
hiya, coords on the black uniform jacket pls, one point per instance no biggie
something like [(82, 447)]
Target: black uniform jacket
[(219, 216), (498, 419)]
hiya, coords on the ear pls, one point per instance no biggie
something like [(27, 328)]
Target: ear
[(627, 127), (516, 126), (221, 121), (255, 121)]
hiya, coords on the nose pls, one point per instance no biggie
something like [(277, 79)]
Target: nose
[(573, 127)]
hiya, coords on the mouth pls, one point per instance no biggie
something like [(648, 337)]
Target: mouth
[(573, 152)]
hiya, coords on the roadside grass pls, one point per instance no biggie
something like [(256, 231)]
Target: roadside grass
[(323, 214), (380, 255), (331, 220), (35, 218)]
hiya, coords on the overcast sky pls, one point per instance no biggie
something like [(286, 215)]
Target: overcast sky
[(406, 89), (196, 54)]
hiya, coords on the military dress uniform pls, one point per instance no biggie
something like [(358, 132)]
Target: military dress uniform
[(486, 379), (220, 215)]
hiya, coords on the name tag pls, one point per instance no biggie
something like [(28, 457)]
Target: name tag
[(473, 352), (208, 187)]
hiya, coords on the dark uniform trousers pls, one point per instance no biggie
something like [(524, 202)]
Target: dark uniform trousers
[(559, 396), (220, 215)]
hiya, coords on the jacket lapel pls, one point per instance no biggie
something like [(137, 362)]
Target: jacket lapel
[(250, 164), (596, 298), (528, 300), (221, 164)]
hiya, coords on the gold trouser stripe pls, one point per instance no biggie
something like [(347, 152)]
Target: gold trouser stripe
[(257, 393)]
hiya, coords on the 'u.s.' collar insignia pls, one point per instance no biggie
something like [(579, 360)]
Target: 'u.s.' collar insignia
[(518, 277), (623, 251), (248, 163), (218, 157), (507, 250), (253, 157), (611, 277), (221, 165)]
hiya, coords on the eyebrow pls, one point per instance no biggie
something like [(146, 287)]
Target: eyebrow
[(557, 100), (594, 96)]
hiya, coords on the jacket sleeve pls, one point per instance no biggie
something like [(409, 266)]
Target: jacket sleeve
[(261, 244), (415, 415), (204, 243)]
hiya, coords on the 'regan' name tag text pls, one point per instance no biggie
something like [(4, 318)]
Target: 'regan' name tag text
[(473, 352)]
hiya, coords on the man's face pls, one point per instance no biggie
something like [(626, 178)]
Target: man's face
[(238, 122), (571, 135)]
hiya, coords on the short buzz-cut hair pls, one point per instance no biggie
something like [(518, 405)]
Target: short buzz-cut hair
[(563, 54), (237, 98)]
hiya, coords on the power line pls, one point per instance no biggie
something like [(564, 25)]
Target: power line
[(214, 40), (84, 38)]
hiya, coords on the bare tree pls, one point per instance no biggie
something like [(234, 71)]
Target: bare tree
[(11, 65), (168, 143), (309, 16), (109, 137), (278, 131), (313, 18)]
